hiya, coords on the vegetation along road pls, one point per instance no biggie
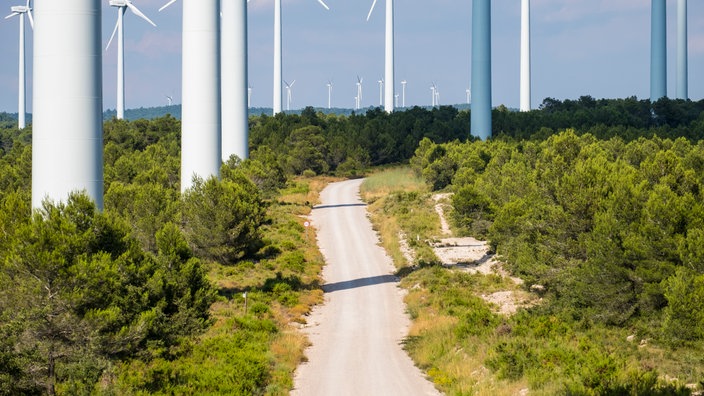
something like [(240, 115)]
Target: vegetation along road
[(357, 333)]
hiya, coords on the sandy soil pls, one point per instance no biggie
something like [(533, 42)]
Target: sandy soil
[(471, 255)]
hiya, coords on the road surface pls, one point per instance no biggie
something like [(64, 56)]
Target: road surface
[(357, 333)]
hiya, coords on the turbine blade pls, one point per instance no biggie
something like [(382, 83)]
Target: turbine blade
[(293, 82), (166, 5), (139, 13), (117, 24), (31, 18), (324, 5), (11, 15), (371, 10)]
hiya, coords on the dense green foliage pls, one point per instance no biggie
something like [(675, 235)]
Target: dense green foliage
[(611, 231), (111, 302), (145, 297), (572, 212)]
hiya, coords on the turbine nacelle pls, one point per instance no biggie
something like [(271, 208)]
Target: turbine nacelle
[(122, 4), (21, 10)]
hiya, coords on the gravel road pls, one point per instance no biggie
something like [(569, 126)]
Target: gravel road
[(357, 333)]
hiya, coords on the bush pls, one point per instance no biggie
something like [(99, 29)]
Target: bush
[(222, 219)]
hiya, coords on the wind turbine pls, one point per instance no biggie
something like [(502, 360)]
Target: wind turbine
[(469, 95), (278, 53), (288, 94), (403, 97), (432, 95), (658, 50), (381, 91), (359, 92), (235, 79), (388, 55), (682, 67), (21, 11), (329, 94), (201, 122), (122, 6), (481, 69), (525, 55), (67, 133), (169, 100)]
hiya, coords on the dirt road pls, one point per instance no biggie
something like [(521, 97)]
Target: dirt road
[(356, 334)]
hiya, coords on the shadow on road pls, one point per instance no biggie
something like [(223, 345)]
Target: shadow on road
[(350, 205), (356, 283)]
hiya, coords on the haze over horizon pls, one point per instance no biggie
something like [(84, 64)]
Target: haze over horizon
[(580, 47)]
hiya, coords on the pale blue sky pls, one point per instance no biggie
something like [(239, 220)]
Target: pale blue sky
[(580, 47)]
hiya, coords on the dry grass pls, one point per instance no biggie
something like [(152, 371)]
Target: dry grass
[(287, 346), (389, 180), (456, 366)]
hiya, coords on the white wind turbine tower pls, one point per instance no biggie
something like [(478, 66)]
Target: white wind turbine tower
[(122, 6), (359, 92), (403, 96), (469, 95), (201, 139), (278, 73), (329, 94), (67, 138), (388, 55), (21, 11), (525, 55), (381, 91), (235, 91), (434, 94), (169, 100), (288, 94)]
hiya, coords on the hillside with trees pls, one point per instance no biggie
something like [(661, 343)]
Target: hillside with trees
[(149, 295), (609, 233)]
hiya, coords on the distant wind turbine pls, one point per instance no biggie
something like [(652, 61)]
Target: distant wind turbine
[(122, 6), (481, 69), (388, 55), (525, 56), (329, 94), (396, 99), (403, 97), (469, 95), (21, 11), (278, 73), (682, 66), (359, 92), (169, 100), (658, 50), (288, 94), (432, 96), (201, 122), (381, 91)]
